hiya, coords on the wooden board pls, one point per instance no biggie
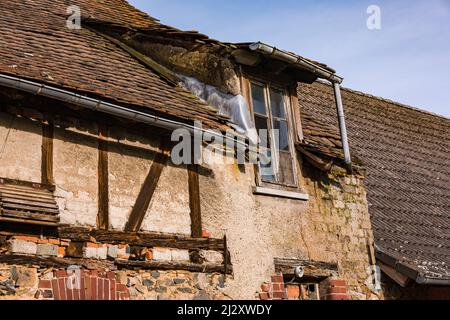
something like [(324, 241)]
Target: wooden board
[(27, 203), (54, 262), (313, 269)]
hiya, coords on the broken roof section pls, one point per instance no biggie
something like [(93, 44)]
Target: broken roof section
[(37, 45), (41, 48), (406, 153)]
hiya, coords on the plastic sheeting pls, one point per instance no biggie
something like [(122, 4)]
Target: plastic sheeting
[(234, 107)]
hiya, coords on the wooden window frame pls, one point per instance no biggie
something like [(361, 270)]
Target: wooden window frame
[(292, 123)]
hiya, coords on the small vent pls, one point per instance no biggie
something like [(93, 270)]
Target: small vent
[(29, 203)]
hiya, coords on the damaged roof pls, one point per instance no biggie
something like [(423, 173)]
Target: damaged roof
[(406, 153), (37, 45)]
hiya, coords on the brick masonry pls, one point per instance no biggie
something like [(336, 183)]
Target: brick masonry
[(276, 289), (91, 285)]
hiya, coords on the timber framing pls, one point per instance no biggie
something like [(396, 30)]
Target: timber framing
[(194, 201), (47, 151), (148, 189), (312, 269), (54, 262), (184, 266), (103, 180), (91, 264), (140, 239)]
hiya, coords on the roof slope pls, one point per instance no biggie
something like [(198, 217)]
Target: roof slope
[(407, 156), (36, 44)]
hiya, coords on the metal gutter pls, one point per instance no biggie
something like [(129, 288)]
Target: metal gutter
[(102, 106), (294, 59), (342, 125), (408, 271)]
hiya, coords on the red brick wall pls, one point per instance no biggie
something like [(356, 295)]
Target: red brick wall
[(274, 290), (93, 285), (331, 289), (335, 289)]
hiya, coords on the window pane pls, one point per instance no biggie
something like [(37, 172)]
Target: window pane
[(283, 132), (277, 104), (259, 101), (262, 130), (266, 169)]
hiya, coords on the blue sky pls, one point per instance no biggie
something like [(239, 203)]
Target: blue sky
[(408, 60)]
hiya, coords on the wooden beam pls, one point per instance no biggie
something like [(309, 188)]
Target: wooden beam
[(187, 266), (80, 234), (194, 201), (54, 262), (103, 180), (47, 152), (313, 269), (399, 278), (225, 255), (148, 189)]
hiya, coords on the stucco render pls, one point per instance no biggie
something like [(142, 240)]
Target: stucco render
[(76, 175), (130, 159), (333, 226), (20, 139)]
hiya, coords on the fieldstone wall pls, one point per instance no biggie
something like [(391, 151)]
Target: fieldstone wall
[(338, 228), (34, 283)]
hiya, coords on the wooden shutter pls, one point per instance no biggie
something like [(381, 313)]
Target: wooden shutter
[(29, 203)]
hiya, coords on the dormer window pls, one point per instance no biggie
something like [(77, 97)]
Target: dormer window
[(271, 109)]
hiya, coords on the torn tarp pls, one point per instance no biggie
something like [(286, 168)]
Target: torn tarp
[(234, 107)]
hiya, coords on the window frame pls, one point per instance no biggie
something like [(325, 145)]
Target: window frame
[(286, 91)]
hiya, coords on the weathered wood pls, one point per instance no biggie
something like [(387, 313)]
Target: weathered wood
[(27, 194), (225, 254), (191, 267), (25, 185), (54, 262), (140, 239), (297, 113), (28, 215), (148, 189), (6, 197), (103, 181), (399, 278), (47, 153), (194, 201), (14, 206), (313, 269), (26, 221)]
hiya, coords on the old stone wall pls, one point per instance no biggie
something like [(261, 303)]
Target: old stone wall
[(34, 283), (333, 226)]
